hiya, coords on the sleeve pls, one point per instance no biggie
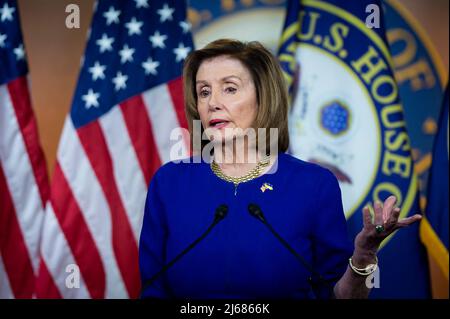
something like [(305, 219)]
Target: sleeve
[(331, 246), (152, 243)]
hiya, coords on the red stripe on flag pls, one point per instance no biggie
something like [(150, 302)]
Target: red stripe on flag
[(176, 93), (124, 244), (140, 131), (175, 88), (76, 231), (12, 246), (45, 285), (20, 97)]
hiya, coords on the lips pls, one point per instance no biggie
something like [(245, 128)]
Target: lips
[(218, 123)]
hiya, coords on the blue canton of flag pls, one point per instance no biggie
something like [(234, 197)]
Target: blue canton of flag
[(133, 47), (12, 53)]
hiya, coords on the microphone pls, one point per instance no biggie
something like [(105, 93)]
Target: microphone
[(256, 212), (220, 214)]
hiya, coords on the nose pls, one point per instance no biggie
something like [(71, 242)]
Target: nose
[(214, 102)]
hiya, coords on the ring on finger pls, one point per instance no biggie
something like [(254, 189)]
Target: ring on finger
[(379, 229)]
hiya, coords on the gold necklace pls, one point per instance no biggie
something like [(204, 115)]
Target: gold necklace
[(236, 180)]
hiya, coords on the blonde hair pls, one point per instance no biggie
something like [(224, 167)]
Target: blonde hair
[(271, 92)]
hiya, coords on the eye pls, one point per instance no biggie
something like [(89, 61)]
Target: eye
[(230, 89), (204, 92)]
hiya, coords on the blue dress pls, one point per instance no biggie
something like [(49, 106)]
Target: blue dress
[(240, 258)]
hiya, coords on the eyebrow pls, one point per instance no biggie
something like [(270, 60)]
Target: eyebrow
[(222, 79)]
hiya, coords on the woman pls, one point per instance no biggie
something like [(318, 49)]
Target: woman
[(232, 88)]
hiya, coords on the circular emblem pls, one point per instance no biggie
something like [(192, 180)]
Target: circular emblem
[(346, 113), (334, 123)]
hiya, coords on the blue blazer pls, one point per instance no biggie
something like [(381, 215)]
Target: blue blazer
[(240, 258)]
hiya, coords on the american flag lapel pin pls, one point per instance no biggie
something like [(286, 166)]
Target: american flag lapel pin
[(266, 186)]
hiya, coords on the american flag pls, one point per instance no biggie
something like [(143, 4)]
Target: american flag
[(128, 99), (23, 175)]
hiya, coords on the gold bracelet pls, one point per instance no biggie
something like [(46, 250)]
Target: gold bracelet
[(369, 269)]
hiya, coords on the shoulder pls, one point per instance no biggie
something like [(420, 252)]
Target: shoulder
[(177, 168), (294, 165)]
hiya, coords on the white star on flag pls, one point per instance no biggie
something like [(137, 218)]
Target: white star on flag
[(134, 26), (157, 40), (6, 13), (141, 3), (112, 16), (165, 13), (19, 52), (181, 52), (120, 81), (2, 40), (98, 71), (150, 66), (105, 43), (126, 54), (91, 99), (186, 26)]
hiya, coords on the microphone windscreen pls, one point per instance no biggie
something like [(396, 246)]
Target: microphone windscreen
[(221, 211), (254, 210)]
